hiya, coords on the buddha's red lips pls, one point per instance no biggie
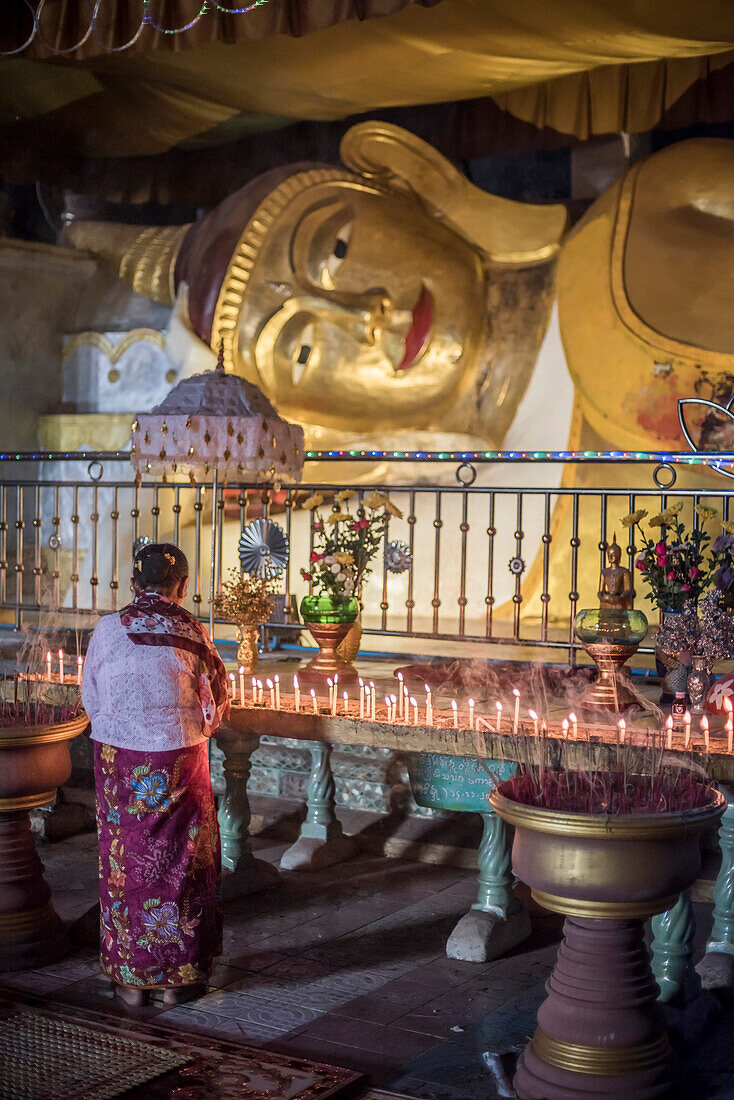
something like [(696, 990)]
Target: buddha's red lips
[(419, 331)]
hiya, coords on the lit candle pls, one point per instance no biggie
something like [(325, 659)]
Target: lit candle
[(393, 708), (80, 670), (414, 705), (429, 707), (313, 700), (297, 694), (336, 683), (388, 708), (346, 702), (471, 714), (242, 687), (361, 697), (498, 723), (705, 728), (564, 727), (534, 718), (276, 681), (330, 685), (254, 687), (622, 726), (232, 688), (406, 712), (260, 692), (271, 689), (48, 665), (729, 724), (373, 701), (516, 717), (61, 666), (669, 724), (456, 714), (574, 726), (400, 695), (687, 723), (333, 701)]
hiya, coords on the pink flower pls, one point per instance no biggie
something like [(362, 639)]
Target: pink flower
[(660, 548), (694, 572), (639, 564), (360, 524), (670, 575), (306, 576), (686, 587), (315, 556), (662, 560)]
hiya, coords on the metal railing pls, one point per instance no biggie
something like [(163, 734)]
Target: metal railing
[(507, 564)]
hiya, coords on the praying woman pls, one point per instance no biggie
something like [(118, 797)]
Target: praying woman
[(155, 690)]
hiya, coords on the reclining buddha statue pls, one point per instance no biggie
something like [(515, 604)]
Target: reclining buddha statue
[(388, 302)]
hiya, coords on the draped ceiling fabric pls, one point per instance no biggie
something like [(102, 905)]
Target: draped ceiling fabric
[(576, 69)]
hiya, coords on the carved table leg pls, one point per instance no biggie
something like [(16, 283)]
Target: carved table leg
[(242, 873), (716, 969), (672, 951), (322, 841), (496, 922)]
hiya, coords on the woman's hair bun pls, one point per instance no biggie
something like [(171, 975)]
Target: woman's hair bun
[(159, 564)]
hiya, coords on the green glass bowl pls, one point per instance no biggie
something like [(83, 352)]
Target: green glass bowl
[(329, 609), (606, 624)]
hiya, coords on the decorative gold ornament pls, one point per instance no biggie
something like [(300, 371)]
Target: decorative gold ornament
[(247, 651)]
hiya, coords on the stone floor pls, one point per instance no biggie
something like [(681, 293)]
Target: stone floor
[(347, 966)]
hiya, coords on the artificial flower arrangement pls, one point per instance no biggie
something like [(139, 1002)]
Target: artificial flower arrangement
[(244, 600), (722, 560), (345, 543), (673, 566), (704, 630)]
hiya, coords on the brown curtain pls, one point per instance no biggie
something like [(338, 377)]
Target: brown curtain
[(64, 23)]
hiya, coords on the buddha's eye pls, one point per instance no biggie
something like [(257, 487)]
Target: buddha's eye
[(337, 256)]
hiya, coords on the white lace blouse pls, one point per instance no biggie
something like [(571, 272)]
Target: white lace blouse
[(138, 696)]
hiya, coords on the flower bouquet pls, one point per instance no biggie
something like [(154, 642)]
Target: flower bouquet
[(673, 565), (247, 602), (676, 574), (345, 544), (722, 564)]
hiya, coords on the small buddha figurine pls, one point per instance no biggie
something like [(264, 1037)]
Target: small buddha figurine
[(616, 590)]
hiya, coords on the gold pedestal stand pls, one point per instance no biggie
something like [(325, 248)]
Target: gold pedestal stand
[(327, 663), (609, 691)]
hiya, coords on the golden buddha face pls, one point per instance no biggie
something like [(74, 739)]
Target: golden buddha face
[(361, 310)]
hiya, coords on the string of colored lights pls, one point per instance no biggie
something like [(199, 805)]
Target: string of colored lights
[(713, 460), (92, 31), (718, 460)]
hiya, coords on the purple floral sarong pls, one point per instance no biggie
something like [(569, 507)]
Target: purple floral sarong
[(159, 864)]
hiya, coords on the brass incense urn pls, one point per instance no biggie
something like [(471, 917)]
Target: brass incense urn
[(34, 762), (610, 636), (600, 1032)]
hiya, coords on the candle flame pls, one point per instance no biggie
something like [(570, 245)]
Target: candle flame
[(572, 717), (704, 723), (516, 693), (269, 683), (564, 725), (533, 715), (727, 704), (454, 703), (669, 722), (498, 704)]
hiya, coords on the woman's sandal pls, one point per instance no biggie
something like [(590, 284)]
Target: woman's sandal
[(135, 998), (180, 994)]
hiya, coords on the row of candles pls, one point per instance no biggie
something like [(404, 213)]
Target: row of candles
[(404, 708), (62, 671)]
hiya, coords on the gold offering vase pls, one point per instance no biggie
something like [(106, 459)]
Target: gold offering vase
[(247, 652), (610, 636)]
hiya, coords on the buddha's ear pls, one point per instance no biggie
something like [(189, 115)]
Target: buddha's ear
[(144, 258), (505, 231)]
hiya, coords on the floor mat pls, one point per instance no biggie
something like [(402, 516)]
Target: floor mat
[(46, 1057), (141, 1060)]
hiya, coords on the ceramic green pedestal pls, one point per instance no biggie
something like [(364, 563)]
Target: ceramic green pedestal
[(496, 922)]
